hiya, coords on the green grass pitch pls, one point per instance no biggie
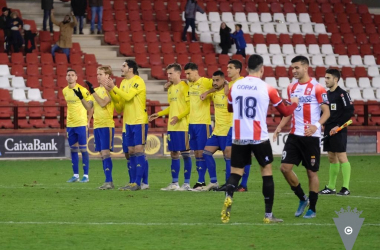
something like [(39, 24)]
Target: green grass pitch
[(39, 210)]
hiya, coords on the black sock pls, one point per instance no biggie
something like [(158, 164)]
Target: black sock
[(299, 192), (268, 192), (232, 183), (313, 197)]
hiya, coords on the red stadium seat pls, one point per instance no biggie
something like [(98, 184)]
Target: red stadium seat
[(338, 8), (298, 39), (138, 38), (341, 17), (197, 59), (351, 8), (135, 26), (347, 72), (281, 72), (162, 16), (250, 7), (172, 6), (32, 70), (46, 59), (194, 48), (61, 70), (76, 49), (370, 28), (175, 27), (238, 7), (310, 39), (153, 48), (320, 72), (376, 19), (17, 58), (314, 8), (146, 5), (47, 83), (91, 70), (120, 15), (121, 26), (4, 59), (60, 59), (355, 18), (126, 49), (376, 49), (110, 37), (288, 8), (17, 70), (272, 39), (323, 39), (263, 8), (365, 49), (107, 15), (336, 39), (169, 59), (33, 82), (167, 48), (108, 26), (345, 28), (165, 37), (276, 8), (212, 7), (348, 38), (142, 60), (258, 39), (175, 16), (247, 38), (268, 72), (210, 59), (123, 37), (211, 69), (5, 96), (362, 9), (49, 94), (340, 49), (357, 28), (181, 48), (159, 6), (155, 60), (44, 36), (61, 82), (360, 72), (361, 38), (223, 59), (208, 48), (301, 8), (374, 39), (151, 37), (32, 58), (332, 28), (76, 59), (285, 39), (330, 18), (184, 58), (158, 73), (132, 5), (352, 49), (147, 16), (325, 8), (177, 36)]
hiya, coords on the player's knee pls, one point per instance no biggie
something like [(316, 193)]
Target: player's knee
[(174, 155), (106, 156), (83, 149), (284, 169), (185, 155), (74, 149), (207, 153)]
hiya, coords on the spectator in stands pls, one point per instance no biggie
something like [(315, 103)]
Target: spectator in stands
[(4, 20), (96, 9), (66, 33), (47, 6), (29, 36), (225, 38), (191, 8), (79, 9), (238, 36), (15, 24)]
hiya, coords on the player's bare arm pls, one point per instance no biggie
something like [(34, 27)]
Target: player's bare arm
[(313, 127)]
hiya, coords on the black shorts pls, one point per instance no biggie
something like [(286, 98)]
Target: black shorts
[(302, 148), (336, 143), (241, 155)]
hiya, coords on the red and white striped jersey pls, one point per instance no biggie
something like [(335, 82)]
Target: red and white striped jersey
[(311, 96), (250, 98)]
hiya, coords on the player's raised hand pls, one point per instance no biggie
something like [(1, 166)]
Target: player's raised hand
[(90, 87), (78, 93), (276, 133), (174, 120), (153, 117), (109, 84)]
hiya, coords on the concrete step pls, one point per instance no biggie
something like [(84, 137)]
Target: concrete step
[(161, 97), (86, 42)]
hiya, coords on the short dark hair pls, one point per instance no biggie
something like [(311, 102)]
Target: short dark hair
[(218, 73), (301, 59), (237, 64), (239, 25), (191, 66), (334, 73), (71, 70), (175, 66), (133, 65), (255, 62)]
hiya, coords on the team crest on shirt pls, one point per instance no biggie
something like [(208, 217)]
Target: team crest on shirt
[(333, 106), (312, 161), (308, 91)]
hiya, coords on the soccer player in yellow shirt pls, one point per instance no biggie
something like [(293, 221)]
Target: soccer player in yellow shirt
[(199, 119), (132, 96), (234, 68), (104, 125), (178, 126), (77, 122)]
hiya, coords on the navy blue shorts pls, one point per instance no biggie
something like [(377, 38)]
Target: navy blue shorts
[(125, 145), (217, 141), (178, 141), (229, 138), (199, 133), (136, 134), (104, 139), (77, 134)]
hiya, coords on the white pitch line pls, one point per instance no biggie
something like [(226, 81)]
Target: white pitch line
[(165, 224)]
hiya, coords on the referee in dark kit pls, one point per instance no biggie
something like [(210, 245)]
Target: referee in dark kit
[(341, 110)]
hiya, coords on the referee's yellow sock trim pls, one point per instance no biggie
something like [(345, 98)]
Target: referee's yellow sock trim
[(346, 171), (333, 174)]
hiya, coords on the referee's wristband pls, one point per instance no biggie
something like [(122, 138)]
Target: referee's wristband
[(317, 124)]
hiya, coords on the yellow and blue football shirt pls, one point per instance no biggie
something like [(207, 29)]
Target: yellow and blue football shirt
[(223, 118), (103, 117), (76, 113), (199, 110)]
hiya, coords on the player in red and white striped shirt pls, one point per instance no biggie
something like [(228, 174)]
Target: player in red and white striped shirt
[(303, 143), (249, 99)]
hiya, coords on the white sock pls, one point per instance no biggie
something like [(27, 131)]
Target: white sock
[(85, 175), (268, 215), (76, 175)]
